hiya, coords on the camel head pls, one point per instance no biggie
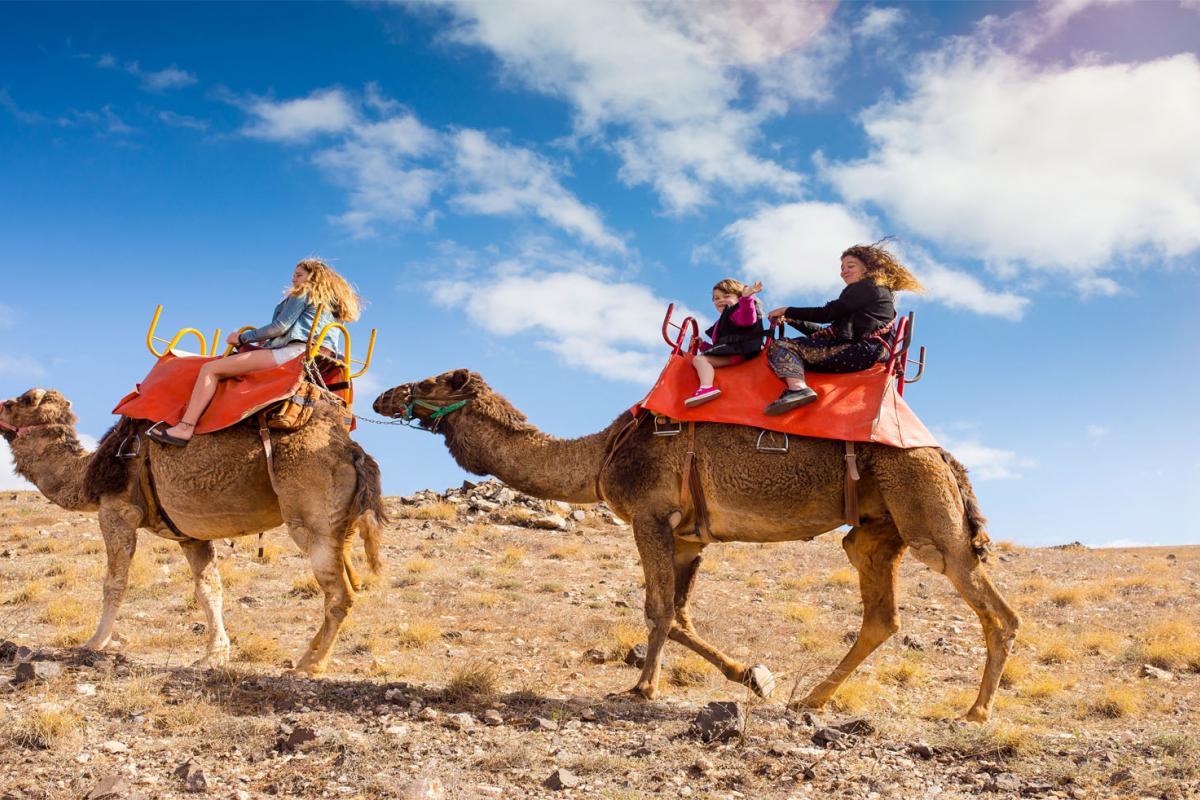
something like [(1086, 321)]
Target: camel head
[(34, 408), (430, 401)]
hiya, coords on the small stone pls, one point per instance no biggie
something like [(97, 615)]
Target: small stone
[(561, 779), (460, 721), (565, 508), (428, 714), (504, 496), (543, 725), (469, 485), (296, 739), (719, 721), (858, 726), (396, 730), (37, 670), (636, 657), (703, 765), (492, 717), (1004, 782), (550, 522), (912, 642), (113, 787), (827, 737), (196, 782), (578, 515), (596, 656), (85, 689), (8, 651), (1155, 674), (921, 749), (113, 746)]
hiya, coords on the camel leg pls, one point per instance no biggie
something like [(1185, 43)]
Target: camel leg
[(687, 567), (875, 551), (348, 564), (120, 542), (200, 557), (325, 554), (655, 547), (999, 623)]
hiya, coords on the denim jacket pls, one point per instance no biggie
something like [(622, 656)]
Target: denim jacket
[(292, 322)]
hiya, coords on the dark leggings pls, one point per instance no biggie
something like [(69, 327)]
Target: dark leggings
[(790, 357)]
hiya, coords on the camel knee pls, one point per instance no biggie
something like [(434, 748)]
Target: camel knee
[(931, 557), (878, 629)]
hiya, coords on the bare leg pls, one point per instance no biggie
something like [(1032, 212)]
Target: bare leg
[(120, 542), (208, 596), (325, 554), (704, 366), (206, 385), (875, 551), (655, 547)]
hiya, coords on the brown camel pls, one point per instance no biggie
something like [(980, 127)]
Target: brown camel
[(217, 487), (918, 498)]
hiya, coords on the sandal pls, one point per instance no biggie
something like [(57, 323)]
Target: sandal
[(162, 437)]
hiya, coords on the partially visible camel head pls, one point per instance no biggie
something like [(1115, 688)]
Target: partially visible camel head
[(423, 400), (35, 407)]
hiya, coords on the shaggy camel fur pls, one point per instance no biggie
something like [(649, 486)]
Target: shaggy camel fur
[(918, 498), (215, 488)]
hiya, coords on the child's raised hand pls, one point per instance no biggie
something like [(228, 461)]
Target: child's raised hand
[(755, 289)]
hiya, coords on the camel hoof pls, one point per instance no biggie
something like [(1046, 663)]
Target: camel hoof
[(809, 703), (760, 680), (976, 715)]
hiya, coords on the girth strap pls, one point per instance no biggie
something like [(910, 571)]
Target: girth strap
[(154, 509), (852, 476), (613, 448), (690, 484), (264, 433)]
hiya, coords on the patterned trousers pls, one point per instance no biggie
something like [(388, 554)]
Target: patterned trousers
[(790, 357)]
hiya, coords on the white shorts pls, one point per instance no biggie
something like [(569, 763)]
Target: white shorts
[(287, 352)]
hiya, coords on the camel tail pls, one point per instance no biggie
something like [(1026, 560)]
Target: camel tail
[(367, 509), (106, 472), (980, 541)]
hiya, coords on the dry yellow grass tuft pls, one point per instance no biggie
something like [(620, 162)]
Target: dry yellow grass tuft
[(691, 670), (305, 586), (1055, 650), (253, 648), (65, 611), (31, 592), (442, 511), (1016, 669), (1173, 644), (473, 680), (798, 612), (624, 638), (418, 566), (487, 599), (1042, 687), (842, 577), (1100, 643), (564, 552), (512, 556), (417, 634), (139, 694), (1113, 702), (854, 695), (1034, 585), (46, 726), (903, 673), (993, 740), (802, 582), (1066, 596)]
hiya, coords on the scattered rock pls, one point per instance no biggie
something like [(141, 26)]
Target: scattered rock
[(428, 714), (859, 726), (460, 721), (85, 689), (1155, 674), (1004, 782), (8, 651), (113, 787), (296, 739), (492, 717), (912, 642), (113, 746), (636, 657), (543, 725), (921, 749), (828, 737), (703, 765), (596, 656), (550, 522), (719, 721), (469, 485), (193, 778), (561, 779), (578, 515), (37, 670)]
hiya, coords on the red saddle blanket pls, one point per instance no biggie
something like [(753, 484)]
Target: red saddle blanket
[(857, 406), (164, 393)]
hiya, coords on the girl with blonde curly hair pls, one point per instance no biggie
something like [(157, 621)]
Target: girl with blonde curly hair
[(314, 284), (856, 324)]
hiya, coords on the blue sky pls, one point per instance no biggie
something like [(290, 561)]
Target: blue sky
[(521, 188)]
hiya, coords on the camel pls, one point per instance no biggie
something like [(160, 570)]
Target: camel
[(217, 487), (918, 498)]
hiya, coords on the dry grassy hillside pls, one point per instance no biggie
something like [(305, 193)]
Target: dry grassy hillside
[(479, 665)]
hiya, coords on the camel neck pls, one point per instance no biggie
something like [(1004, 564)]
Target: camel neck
[(527, 459), (52, 460)]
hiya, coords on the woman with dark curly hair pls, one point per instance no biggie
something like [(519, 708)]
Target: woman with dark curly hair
[(857, 324)]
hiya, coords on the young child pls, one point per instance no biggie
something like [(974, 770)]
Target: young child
[(736, 336)]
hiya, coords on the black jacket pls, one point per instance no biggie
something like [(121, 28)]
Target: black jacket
[(862, 308), (735, 340)]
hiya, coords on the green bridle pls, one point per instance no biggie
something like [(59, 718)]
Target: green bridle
[(440, 412)]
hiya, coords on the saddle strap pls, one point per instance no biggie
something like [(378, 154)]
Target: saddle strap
[(264, 433), (852, 517), (613, 448), (690, 484), (154, 510)]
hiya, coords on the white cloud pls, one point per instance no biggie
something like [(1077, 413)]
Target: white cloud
[(9, 479), (21, 368), (170, 78), (324, 111), (1061, 168), (987, 463), (796, 248), (1097, 286), (182, 121), (571, 307), (1096, 432), (667, 77), (509, 180), (878, 23)]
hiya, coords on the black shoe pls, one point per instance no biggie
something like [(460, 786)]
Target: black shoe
[(791, 398), (158, 432)]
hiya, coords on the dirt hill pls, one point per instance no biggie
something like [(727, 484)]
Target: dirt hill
[(480, 665)]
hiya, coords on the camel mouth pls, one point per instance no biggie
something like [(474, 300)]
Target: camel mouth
[(394, 402)]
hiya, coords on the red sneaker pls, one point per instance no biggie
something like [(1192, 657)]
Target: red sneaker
[(702, 395)]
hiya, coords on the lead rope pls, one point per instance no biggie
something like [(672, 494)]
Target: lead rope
[(852, 516)]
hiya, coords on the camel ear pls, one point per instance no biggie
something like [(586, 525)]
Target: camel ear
[(459, 379)]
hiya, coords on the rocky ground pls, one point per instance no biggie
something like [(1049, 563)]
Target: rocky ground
[(479, 666)]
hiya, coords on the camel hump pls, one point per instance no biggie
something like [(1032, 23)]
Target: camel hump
[(980, 541), (108, 473)]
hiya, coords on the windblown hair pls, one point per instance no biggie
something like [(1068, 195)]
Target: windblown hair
[(734, 286), (325, 287), (883, 268)]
